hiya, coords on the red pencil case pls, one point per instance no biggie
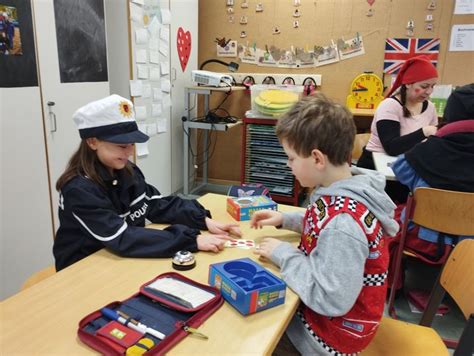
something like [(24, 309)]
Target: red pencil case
[(153, 320)]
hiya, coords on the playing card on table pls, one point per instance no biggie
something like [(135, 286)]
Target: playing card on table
[(245, 244)]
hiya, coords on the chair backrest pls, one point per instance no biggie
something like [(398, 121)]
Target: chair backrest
[(38, 277), (457, 277), (446, 211), (359, 143)]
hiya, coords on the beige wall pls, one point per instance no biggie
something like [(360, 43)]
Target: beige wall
[(321, 21)]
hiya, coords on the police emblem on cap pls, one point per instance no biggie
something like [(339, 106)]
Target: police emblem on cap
[(125, 109)]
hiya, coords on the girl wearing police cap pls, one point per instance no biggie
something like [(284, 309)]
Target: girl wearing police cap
[(104, 198)]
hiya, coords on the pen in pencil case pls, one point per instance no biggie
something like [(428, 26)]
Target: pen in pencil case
[(124, 319)]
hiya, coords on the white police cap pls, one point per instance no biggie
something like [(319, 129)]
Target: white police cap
[(109, 119)]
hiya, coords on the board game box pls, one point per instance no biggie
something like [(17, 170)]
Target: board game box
[(246, 285), (242, 208)]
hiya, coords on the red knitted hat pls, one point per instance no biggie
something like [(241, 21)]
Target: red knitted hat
[(415, 69)]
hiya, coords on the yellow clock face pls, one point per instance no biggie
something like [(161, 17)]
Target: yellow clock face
[(367, 88)]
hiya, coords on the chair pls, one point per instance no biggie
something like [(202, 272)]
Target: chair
[(359, 143), (457, 279), (38, 277), (395, 337), (449, 212)]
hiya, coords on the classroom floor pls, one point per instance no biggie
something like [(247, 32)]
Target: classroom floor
[(422, 276)]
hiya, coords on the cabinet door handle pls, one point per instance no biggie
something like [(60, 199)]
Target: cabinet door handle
[(52, 116), (174, 76)]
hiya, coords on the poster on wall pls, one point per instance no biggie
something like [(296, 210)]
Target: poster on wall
[(265, 59), (350, 48), (326, 55), (10, 39), (398, 50), (464, 7), (80, 34), (229, 50), (17, 53), (462, 38), (247, 54)]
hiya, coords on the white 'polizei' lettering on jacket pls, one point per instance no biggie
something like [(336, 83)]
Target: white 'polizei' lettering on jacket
[(124, 215), (138, 213)]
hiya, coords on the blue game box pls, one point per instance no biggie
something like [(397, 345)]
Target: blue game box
[(246, 285)]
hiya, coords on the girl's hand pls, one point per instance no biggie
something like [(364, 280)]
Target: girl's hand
[(429, 130), (216, 227), (266, 217), (214, 243), (266, 247)]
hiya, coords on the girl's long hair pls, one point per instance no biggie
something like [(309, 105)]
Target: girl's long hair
[(403, 97), (84, 162)]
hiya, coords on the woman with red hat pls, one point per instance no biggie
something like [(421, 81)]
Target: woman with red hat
[(404, 118)]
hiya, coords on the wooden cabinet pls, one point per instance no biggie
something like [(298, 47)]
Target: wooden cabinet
[(264, 161), (37, 142), (363, 119), (26, 230), (38, 139), (61, 96)]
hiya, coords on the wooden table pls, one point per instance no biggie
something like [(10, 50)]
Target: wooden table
[(383, 162), (43, 319)]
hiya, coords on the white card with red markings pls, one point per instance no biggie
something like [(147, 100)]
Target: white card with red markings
[(238, 243)]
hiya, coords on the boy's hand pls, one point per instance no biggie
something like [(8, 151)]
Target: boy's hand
[(266, 247), (214, 243), (216, 227), (266, 217)]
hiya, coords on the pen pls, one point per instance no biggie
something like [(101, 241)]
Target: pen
[(124, 319)]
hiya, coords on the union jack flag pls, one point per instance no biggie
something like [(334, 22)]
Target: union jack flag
[(398, 50)]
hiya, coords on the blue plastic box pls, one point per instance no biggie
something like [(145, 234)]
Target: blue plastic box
[(246, 285)]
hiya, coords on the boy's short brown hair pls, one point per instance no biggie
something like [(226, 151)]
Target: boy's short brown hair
[(316, 122)]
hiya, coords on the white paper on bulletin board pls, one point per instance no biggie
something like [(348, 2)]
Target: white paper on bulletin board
[(464, 7), (142, 149), (230, 50), (462, 38), (146, 85)]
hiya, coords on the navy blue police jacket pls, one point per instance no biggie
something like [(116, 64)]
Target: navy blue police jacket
[(92, 217)]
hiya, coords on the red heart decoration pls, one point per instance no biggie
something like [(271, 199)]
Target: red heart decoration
[(183, 44), (371, 2)]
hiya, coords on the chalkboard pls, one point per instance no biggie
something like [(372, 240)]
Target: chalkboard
[(80, 33), (20, 70)]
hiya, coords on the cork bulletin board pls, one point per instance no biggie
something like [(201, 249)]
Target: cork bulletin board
[(319, 23)]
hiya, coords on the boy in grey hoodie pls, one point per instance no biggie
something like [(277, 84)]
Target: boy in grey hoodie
[(340, 266)]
